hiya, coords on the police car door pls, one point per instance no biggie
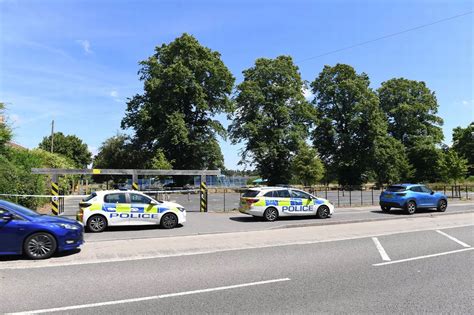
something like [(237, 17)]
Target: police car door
[(302, 203), (117, 208), (142, 211)]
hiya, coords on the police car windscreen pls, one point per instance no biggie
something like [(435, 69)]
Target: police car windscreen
[(395, 188), (250, 193)]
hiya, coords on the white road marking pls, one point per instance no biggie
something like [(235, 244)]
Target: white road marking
[(453, 239), (423, 257), (52, 264), (148, 298), (381, 250)]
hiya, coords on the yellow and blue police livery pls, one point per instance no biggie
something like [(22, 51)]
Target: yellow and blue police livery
[(116, 207), (273, 202)]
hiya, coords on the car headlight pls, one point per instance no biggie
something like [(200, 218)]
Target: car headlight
[(68, 226), (181, 209)]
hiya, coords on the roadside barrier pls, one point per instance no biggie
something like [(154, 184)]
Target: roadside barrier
[(203, 198)]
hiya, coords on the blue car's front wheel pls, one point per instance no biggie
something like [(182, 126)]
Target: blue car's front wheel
[(40, 246), (442, 205)]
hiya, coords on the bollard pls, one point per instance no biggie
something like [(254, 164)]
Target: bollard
[(135, 186), (203, 197), (55, 199)]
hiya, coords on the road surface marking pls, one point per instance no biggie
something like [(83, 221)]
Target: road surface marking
[(423, 257), (92, 261), (381, 250), (453, 239), (148, 298)]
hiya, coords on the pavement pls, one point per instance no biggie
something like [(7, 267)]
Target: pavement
[(417, 264)]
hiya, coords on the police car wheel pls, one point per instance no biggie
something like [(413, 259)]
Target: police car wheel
[(96, 224), (323, 212), (271, 214), (40, 246), (169, 221)]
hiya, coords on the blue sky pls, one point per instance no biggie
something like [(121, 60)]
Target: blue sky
[(76, 61)]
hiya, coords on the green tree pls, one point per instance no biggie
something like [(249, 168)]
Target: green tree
[(453, 166), (5, 131), (351, 130), (390, 162), (186, 85), (16, 176), (69, 146), (411, 109), (271, 117), (307, 167), (116, 153), (463, 144), (160, 162), (425, 157)]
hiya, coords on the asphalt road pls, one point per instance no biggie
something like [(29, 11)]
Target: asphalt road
[(209, 223), (349, 276)]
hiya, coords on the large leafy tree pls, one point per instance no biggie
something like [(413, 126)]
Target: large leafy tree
[(351, 130), (185, 86), (463, 144), (69, 146), (411, 108), (271, 117)]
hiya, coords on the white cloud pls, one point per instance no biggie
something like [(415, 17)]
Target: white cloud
[(468, 102), (115, 95), (86, 45)]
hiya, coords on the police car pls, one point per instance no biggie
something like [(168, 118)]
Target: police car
[(117, 207), (273, 202)]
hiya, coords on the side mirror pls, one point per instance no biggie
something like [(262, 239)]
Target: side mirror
[(432, 193), (6, 216)]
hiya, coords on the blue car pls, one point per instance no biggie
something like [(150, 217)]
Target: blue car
[(411, 197), (23, 231)]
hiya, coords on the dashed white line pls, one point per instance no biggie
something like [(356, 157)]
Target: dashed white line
[(453, 239), (381, 250), (148, 298), (423, 257)]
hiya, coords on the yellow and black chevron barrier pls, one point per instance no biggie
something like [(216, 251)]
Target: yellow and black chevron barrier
[(55, 198), (135, 186), (203, 199)]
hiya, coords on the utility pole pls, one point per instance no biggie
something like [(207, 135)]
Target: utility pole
[(52, 136)]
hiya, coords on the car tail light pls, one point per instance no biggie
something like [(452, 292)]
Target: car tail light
[(250, 201)]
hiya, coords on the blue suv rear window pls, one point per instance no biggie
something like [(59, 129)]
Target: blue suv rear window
[(396, 188)]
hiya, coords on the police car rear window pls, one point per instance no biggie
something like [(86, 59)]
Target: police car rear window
[(89, 197), (115, 198), (250, 193), (278, 194), (395, 188)]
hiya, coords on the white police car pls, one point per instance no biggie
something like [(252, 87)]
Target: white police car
[(117, 207), (273, 202)]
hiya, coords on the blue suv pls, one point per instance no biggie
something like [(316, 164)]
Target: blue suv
[(411, 197), (23, 231)]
